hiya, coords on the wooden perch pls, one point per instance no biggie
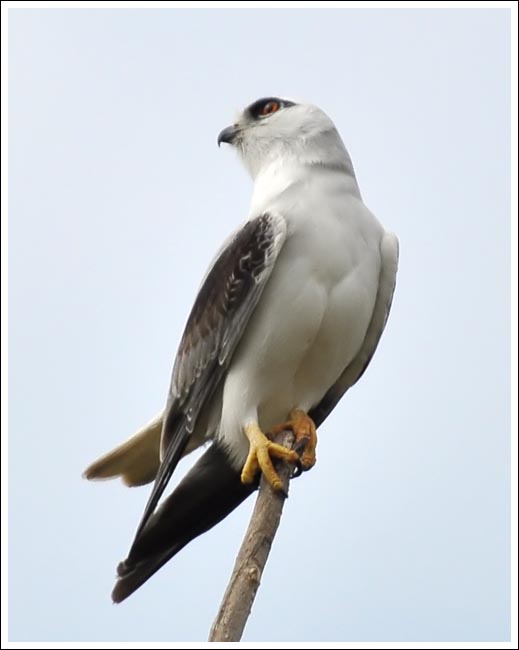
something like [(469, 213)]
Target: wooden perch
[(239, 596)]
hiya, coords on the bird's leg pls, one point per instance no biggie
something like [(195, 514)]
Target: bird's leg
[(260, 452), (303, 428)]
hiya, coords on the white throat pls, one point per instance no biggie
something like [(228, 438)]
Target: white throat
[(285, 165)]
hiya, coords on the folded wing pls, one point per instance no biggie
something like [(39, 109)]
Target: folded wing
[(225, 302)]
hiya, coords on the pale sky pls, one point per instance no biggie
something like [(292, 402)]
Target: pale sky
[(119, 198)]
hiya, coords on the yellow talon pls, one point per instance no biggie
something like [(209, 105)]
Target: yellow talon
[(260, 452), (303, 427)]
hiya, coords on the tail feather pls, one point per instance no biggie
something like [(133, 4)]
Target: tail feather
[(208, 493), (136, 461)]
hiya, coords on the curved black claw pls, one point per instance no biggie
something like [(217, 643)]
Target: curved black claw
[(298, 470), (299, 448)]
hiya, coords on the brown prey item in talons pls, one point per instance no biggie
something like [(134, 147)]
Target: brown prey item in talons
[(260, 452), (305, 433)]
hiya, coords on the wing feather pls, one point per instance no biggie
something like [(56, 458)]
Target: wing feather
[(222, 309)]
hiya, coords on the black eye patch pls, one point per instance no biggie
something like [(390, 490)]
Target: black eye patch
[(266, 106)]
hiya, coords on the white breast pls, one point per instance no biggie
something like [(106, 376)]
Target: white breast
[(313, 315)]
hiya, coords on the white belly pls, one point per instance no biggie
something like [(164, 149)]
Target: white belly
[(309, 325)]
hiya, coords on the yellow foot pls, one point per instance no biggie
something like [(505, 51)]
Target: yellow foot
[(261, 449), (303, 428)]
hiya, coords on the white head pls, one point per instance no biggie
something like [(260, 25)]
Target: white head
[(273, 129)]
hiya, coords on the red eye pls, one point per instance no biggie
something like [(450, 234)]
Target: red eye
[(270, 107)]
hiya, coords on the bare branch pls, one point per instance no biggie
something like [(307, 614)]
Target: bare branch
[(239, 596)]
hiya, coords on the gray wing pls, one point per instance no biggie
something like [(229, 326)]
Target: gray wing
[(355, 370), (225, 302)]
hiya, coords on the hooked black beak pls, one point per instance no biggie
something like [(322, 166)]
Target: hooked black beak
[(227, 135)]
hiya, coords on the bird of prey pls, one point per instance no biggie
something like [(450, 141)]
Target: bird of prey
[(286, 320)]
